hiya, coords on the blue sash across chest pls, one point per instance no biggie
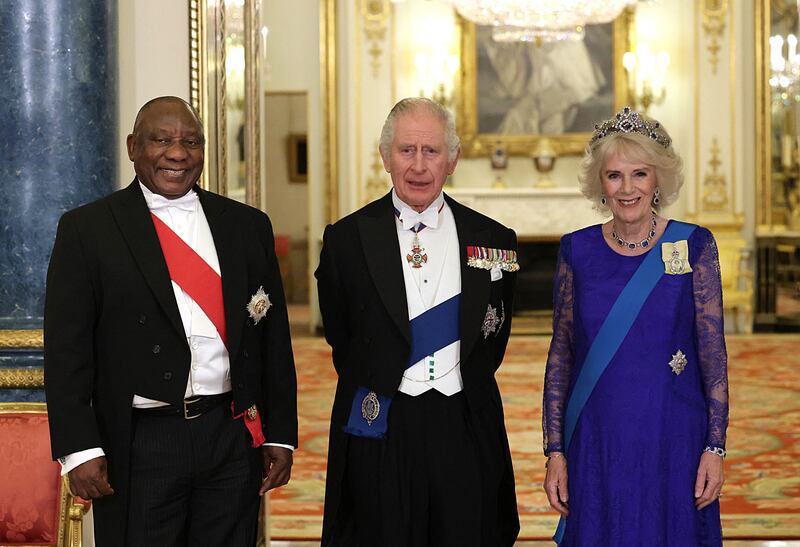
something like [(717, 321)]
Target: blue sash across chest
[(431, 331), (613, 331)]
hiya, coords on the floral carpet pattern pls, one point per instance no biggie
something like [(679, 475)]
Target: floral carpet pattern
[(762, 490)]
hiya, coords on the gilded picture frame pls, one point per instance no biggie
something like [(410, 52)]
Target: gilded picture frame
[(475, 111)]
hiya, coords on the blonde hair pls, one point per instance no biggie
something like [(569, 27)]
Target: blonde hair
[(637, 148)]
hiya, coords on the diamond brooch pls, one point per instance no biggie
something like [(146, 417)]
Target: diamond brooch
[(678, 362)]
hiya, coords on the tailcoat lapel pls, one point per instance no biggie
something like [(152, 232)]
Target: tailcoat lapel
[(232, 264), (475, 282), (381, 249), (133, 218)]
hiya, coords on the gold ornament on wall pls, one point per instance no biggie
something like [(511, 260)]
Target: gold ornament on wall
[(375, 14), (376, 184), (21, 339), (715, 187), (21, 378), (714, 14)]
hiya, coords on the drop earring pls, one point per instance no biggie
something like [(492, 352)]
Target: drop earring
[(602, 199), (656, 199)]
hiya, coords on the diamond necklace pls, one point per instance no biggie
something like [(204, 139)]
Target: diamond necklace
[(630, 244)]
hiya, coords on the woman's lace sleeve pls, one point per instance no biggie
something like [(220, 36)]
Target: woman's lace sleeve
[(711, 335), (560, 357)]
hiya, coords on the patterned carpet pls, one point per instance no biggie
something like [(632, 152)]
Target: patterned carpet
[(762, 490)]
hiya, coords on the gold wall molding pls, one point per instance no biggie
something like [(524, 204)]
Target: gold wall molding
[(21, 378), (764, 189), (715, 204), (375, 15), (198, 88), (17, 407), (252, 103), (328, 83), (715, 187), (377, 184), (207, 86), (22, 339), (714, 14)]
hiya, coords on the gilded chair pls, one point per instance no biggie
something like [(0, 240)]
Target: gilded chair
[(36, 506), (737, 281)]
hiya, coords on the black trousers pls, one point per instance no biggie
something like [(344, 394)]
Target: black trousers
[(193, 482), (422, 485)]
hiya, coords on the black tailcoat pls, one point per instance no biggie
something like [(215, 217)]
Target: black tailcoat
[(113, 329), (365, 313)]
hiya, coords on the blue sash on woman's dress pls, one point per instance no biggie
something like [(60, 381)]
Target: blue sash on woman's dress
[(613, 331)]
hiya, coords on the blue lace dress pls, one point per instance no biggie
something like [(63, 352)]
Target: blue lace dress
[(633, 456)]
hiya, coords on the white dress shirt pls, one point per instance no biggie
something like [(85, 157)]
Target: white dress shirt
[(210, 365), (438, 280)]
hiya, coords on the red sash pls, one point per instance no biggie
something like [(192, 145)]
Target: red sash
[(193, 275), (204, 286)]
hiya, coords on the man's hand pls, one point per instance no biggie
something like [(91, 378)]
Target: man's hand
[(277, 467), (555, 483), (90, 479), (708, 485)]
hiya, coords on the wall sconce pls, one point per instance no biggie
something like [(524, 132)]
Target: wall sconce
[(646, 72), (784, 71), (436, 72)]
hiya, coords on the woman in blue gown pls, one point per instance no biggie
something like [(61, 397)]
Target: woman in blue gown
[(636, 391)]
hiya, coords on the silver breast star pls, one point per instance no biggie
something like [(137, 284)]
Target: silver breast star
[(678, 362)]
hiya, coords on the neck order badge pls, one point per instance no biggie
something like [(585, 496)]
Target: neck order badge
[(417, 257)]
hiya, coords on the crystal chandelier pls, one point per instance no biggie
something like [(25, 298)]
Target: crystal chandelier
[(539, 20)]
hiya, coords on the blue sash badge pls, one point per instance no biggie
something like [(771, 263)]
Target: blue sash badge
[(431, 331), (368, 414)]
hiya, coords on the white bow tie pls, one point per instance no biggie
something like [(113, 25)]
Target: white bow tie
[(410, 218), (187, 202)]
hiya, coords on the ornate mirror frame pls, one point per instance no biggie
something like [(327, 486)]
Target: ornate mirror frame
[(771, 208), (207, 33), (763, 121)]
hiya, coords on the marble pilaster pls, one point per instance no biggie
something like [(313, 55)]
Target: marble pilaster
[(58, 141)]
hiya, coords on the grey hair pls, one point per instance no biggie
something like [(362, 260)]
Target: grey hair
[(421, 104), (637, 148)]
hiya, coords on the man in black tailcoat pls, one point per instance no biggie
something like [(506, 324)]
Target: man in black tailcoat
[(169, 374), (416, 294)]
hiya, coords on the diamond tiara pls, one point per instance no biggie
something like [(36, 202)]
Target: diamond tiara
[(628, 121)]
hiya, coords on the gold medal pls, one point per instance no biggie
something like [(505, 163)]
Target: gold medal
[(417, 257), (370, 407), (252, 413)]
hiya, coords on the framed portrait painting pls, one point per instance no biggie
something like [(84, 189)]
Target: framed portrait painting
[(514, 93)]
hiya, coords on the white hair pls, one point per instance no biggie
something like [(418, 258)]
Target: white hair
[(417, 104)]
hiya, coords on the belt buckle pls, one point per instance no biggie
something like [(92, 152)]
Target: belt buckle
[(187, 402)]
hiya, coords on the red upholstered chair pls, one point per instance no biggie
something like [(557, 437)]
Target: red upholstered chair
[(36, 506), (283, 246)]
